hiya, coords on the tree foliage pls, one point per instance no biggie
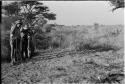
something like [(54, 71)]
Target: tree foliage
[(12, 9), (117, 4), (28, 10), (33, 8)]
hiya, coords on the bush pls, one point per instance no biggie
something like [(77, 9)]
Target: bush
[(7, 21), (59, 40), (41, 41), (100, 43), (5, 47)]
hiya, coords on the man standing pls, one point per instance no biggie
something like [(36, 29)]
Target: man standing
[(24, 41), (15, 40)]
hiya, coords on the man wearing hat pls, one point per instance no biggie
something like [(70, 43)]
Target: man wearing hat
[(25, 34), (15, 39)]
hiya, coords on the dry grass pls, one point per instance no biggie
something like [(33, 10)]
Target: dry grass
[(77, 68), (73, 67)]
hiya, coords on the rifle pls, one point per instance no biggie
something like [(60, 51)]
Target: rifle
[(17, 51)]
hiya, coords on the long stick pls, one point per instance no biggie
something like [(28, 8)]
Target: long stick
[(16, 48)]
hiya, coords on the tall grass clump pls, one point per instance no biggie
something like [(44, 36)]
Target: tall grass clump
[(99, 42), (5, 47)]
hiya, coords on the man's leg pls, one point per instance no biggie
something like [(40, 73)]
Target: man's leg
[(16, 49), (22, 51), (19, 58), (12, 52), (12, 55), (26, 49)]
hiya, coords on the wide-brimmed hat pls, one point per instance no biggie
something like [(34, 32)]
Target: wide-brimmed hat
[(25, 27), (18, 22)]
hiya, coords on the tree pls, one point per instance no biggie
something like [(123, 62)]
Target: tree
[(31, 9), (28, 10), (36, 14), (117, 4), (31, 12), (12, 9)]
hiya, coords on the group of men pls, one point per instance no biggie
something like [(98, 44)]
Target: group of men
[(20, 35)]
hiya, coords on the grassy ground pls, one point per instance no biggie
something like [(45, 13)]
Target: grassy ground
[(64, 67), (77, 64)]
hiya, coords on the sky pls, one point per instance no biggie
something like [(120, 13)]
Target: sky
[(84, 12)]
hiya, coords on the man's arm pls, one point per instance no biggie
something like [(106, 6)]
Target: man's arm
[(12, 30)]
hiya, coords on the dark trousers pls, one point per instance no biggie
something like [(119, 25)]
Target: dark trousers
[(15, 49), (24, 44)]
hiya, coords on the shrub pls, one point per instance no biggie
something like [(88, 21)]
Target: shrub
[(100, 43), (5, 47), (42, 42)]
